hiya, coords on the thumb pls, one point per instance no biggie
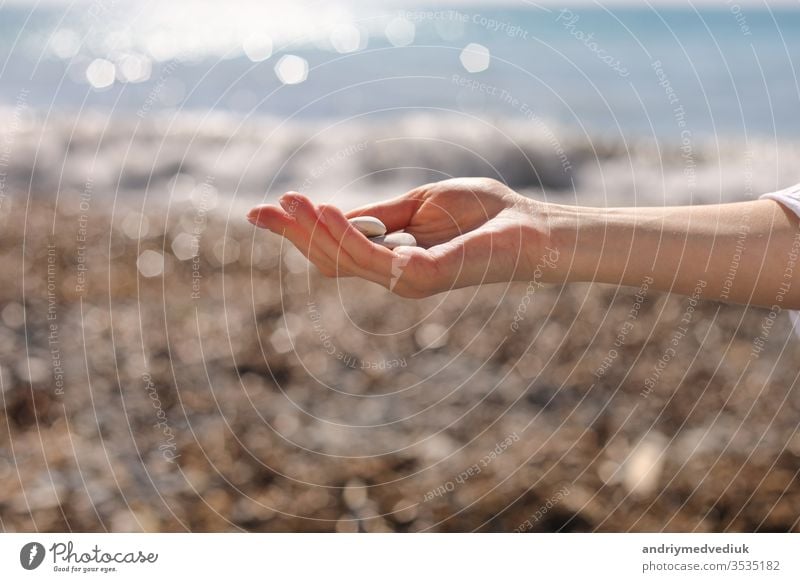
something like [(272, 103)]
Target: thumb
[(396, 214)]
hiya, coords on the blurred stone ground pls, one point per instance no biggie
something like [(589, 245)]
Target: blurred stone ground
[(239, 391)]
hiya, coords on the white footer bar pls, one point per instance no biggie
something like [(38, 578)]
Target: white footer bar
[(352, 557)]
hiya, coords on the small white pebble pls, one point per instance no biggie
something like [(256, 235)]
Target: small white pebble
[(150, 263), (368, 225), (185, 246), (13, 315), (33, 370), (431, 336), (226, 250), (355, 494), (135, 226), (394, 240)]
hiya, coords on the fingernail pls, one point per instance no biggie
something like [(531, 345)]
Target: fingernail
[(253, 216)]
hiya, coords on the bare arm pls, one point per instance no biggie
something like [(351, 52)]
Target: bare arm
[(476, 230), (744, 252)]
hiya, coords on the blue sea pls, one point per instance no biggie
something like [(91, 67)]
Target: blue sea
[(734, 69), (617, 74)]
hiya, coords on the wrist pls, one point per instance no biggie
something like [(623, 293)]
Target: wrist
[(605, 245), (575, 240)]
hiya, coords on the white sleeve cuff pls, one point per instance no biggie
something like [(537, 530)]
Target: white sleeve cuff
[(790, 198)]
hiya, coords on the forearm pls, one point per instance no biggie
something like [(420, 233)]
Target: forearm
[(743, 252)]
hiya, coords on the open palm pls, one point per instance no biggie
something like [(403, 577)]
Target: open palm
[(470, 231)]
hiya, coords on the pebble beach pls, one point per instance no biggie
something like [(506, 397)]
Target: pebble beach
[(170, 368)]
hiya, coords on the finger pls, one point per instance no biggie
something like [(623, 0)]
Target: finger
[(304, 213), (374, 260), (300, 209), (279, 221), (271, 217), (396, 214), (319, 238), (299, 237), (410, 271)]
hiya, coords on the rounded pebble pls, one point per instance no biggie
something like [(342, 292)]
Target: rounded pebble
[(368, 225), (395, 239)]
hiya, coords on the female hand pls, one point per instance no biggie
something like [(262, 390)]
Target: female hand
[(469, 231)]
